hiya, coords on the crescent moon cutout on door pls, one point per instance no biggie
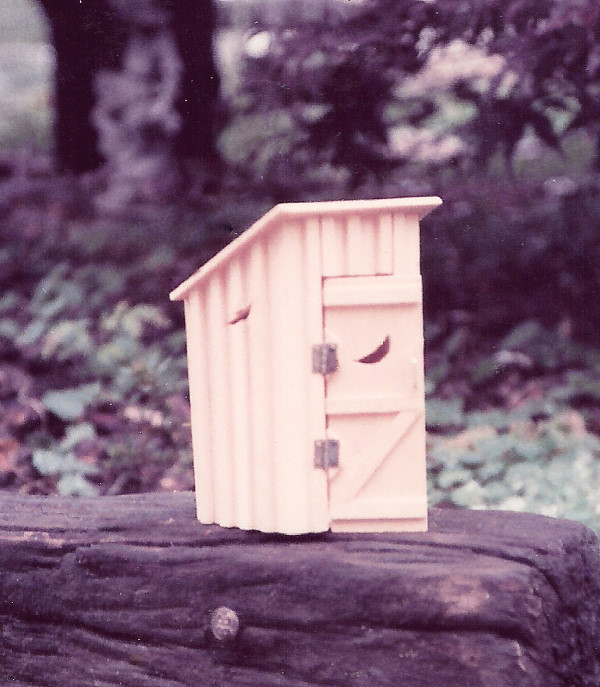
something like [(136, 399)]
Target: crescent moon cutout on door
[(378, 354)]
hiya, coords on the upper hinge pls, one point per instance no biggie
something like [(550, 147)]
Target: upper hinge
[(327, 453), (324, 358)]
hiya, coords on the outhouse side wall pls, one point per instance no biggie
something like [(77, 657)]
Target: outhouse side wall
[(407, 265), (256, 406), (407, 268)]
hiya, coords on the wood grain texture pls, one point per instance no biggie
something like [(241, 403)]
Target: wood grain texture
[(118, 592)]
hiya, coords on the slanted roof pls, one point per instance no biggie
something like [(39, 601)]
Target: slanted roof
[(291, 211)]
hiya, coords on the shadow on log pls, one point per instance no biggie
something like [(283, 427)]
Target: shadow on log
[(122, 590)]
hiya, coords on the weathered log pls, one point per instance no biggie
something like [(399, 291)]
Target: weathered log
[(120, 591)]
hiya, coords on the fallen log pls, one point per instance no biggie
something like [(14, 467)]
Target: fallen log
[(122, 591)]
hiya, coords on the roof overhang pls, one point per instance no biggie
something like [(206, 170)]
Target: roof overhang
[(420, 206)]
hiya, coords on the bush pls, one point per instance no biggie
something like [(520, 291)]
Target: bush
[(506, 252), (471, 81)]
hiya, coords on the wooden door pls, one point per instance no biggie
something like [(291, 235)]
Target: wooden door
[(374, 403)]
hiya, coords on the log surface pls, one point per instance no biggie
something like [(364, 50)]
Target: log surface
[(118, 591)]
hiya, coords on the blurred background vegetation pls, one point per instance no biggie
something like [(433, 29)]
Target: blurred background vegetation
[(492, 104)]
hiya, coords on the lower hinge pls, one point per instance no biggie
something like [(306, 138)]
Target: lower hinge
[(327, 453), (324, 358)]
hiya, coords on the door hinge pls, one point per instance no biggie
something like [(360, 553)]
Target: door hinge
[(327, 453), (324, 358)]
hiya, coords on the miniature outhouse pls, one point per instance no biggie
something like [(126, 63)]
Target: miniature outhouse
[(305, 357)]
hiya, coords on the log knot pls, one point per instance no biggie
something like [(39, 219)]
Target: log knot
[(224, 625)]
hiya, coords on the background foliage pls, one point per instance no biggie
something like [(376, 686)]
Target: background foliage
[(492, 104)]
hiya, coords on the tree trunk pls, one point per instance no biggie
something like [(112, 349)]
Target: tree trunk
[(86, 37), (122, 590), (135, 87)]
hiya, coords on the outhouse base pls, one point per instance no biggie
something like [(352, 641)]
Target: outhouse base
[(381, 526)]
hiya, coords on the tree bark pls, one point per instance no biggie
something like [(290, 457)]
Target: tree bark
[(94, 41), (86, 37), (120, 591), (194, 26)]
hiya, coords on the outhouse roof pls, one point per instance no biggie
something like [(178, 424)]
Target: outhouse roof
[(290, 211)]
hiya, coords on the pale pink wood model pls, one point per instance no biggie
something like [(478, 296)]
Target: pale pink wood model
[(305, 355)]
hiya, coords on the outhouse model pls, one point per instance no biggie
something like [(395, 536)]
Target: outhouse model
[(305, 356)]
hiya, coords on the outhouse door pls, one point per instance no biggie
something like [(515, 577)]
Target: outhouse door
[(374, 403)]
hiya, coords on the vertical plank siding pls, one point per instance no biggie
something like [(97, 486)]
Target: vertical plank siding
[(261, 399), (292, 276), (240, 426), (333, 246), (406, 245), (218, 390), (357, 245), (316, 497), (196, 329), (384, 242)]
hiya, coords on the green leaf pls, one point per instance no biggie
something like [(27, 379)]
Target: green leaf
[(130, 321), (67, 340), (120, 350), (70, 404), (259, 139), (74, 484), (56, 462), (137, 317), (175, 343), (522, 334), (469, 495), (31, 333), (314, 112), (543, 128), (8, 302), (442, 413), (49, 285), (484, 371), (435, 375), (9, 328), (124, 381), (453, 478), (455, 342), (491, 470), (110, 322), (498, 419), (47, 462), (52, 307), (76, 434)]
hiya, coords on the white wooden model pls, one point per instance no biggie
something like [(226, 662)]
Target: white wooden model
[(305, 355)]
